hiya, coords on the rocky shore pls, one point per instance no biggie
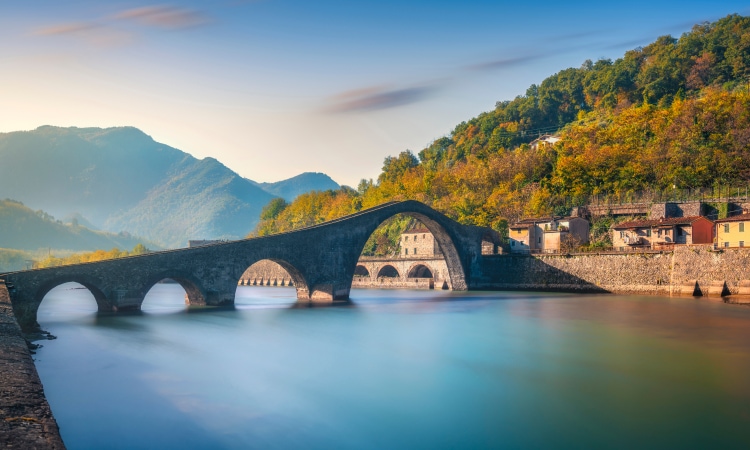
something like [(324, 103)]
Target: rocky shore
[(26, 421)]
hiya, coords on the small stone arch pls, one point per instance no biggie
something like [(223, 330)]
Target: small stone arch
[(361, 271), (420, 270), (194, 295), (102, 302), (295, 277), (388, 271)]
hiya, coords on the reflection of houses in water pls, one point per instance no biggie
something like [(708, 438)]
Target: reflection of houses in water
[(420, 264)]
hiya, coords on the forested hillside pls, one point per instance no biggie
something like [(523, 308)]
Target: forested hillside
[(674, 114), (35, 235), (25, 229)]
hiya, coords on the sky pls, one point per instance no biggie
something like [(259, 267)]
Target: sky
[(274, 88)]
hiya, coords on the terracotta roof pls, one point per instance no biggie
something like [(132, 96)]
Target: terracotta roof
[(671, 221), (416, 231), (739, 218)]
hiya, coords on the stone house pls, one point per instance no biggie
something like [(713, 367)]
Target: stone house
[(663, 232), (419, 242), (548, 235), (731, 232)]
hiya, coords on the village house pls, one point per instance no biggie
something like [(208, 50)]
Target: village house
[(665, 232), (730, 232), (548, 235), (419, 242), (544, 140)]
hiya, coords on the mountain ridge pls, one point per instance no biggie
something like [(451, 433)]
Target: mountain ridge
[(119, 178)]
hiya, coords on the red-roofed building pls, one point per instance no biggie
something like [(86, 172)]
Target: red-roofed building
[(662, 232)]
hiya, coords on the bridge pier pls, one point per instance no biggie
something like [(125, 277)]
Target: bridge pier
[(121, 300), (323, 294)]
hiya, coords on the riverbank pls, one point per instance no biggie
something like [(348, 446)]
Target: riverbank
[(26, 420), (687, 270)]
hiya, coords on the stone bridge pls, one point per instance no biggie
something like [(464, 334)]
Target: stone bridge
[(321, 261), (402, 272)]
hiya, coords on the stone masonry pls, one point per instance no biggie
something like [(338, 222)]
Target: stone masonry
[(26, 421), (321, 261), (658, 273)]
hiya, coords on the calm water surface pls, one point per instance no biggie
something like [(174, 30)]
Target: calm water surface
[(399, 369)]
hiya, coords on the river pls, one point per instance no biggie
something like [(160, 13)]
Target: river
[(399, 369)]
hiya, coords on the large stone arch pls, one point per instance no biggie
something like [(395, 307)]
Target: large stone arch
[(195, 295), (439, 225)]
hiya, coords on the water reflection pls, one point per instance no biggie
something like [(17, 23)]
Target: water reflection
[(395, 369)]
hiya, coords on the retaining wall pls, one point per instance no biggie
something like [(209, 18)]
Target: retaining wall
[(26, 421), (661, 273)]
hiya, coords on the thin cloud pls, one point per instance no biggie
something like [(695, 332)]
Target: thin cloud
[(66, 28), (92, 33), (503, 63), (164, 16), (378, 98)]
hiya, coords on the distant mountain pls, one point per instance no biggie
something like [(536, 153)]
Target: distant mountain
[(121, 179), (291, 188), (198, 200), (25, 229)]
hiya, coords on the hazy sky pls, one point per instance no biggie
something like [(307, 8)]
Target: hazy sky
[(273, 88)]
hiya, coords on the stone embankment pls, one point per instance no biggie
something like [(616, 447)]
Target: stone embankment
[(26, 421), (687, 270)]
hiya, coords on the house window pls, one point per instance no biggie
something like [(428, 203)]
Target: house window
[(742, 243), (538, 240), (726, 228), (415, 250), (726, 244), (406, 251), (423, 237), (679, 231), (742, 227), (648, 232), (622, 235)]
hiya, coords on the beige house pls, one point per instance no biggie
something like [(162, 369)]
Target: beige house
[(733, 231), (548, 235), (657, 233), (420, 243)]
